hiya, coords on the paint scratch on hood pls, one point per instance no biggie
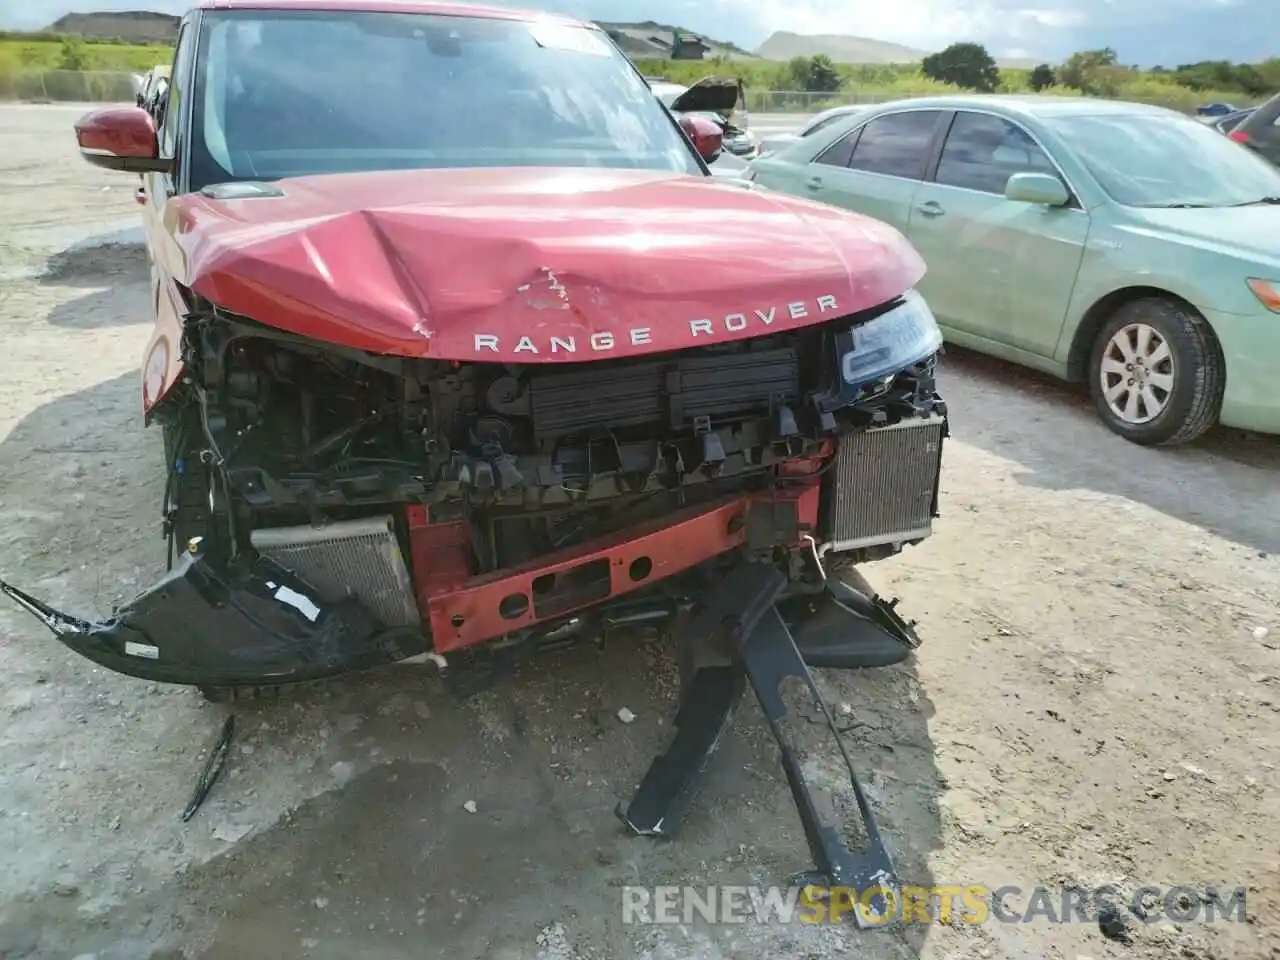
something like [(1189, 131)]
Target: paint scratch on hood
[(557, 289)]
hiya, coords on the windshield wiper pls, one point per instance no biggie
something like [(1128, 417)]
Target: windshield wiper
[(1270, 201), (1185, 206)]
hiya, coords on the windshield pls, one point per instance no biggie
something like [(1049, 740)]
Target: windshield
[(291, 93), (1167, 161)]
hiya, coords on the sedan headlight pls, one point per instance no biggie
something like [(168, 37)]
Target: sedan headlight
[(893, 341), (1267, 292)]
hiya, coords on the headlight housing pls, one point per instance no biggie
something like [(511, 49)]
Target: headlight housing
[(878, 349)]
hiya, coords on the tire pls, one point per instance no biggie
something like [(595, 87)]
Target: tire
[(1181, 367)]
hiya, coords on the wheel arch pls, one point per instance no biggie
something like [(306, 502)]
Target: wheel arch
[(1103, 308)]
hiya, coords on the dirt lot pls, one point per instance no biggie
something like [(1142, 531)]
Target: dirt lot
[(1096, 701)]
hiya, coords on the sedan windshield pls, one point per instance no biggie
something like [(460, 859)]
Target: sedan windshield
[(291, 93), (1167, 161)]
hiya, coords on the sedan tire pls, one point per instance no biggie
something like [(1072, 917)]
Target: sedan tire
[(1156, 373)]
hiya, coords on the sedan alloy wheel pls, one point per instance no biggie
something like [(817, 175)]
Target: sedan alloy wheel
[(1137, 373), (1156, 372)]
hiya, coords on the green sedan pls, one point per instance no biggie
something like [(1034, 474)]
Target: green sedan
[(1115, 242)]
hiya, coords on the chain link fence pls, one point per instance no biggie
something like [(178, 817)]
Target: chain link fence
[(79, 86), (800, 101)]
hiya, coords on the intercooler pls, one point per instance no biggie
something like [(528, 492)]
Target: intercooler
[(358, 558), (885, 484)]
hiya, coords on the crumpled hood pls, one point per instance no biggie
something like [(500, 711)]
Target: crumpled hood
[(551, 265)]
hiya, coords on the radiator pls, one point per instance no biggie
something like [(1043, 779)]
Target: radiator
[(885, 484), (358, 558)]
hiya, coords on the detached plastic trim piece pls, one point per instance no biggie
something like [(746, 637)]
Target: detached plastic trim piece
[(210, 625)]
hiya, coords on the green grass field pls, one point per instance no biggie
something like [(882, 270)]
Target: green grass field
[(36, 68), (21, 55), (888, 80)]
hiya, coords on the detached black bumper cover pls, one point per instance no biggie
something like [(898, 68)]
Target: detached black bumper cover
[(253, 623)]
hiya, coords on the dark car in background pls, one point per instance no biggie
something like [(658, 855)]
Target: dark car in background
[(1229, 121), (1216, 109), (1260, 131)]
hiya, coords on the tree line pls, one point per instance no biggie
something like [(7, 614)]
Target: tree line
[(1099, 73)]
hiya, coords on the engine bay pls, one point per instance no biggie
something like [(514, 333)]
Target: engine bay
[(534, 457)]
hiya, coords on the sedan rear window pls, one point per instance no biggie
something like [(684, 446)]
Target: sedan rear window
[(897, 144), (291, 93)]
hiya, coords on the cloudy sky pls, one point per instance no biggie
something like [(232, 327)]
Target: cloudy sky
[(1144, 32)]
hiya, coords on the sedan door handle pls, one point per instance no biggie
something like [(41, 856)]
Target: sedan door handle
[(140, 195), (931, 208), (814, 183)]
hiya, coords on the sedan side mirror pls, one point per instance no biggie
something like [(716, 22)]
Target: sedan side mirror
[(120, 138), (1041, 188), (706, 136)]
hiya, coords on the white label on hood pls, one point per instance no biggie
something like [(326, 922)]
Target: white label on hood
[(558, 36)]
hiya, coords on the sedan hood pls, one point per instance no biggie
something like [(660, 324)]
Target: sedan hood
[(532, 265), (1249, 232)]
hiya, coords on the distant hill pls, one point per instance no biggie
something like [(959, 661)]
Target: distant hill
[(648, 39), (844, 49), (783, 46), (135, 26)]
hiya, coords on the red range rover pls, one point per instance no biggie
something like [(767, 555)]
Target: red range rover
[(460, 351)]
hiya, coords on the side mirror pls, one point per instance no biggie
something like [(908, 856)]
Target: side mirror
[(705, 135), (120, 138), (1041, 188)]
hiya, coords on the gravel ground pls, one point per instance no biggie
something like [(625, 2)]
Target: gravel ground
[(1096, 700)]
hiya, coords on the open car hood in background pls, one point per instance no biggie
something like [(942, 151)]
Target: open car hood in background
[(710, 94)]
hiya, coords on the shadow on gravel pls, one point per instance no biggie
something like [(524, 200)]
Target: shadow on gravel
[(85, 453), (1225, 482), (390, 863), (396, 859), (118, 276)]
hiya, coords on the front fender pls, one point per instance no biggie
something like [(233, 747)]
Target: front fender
[(1116, 261), (162, 363)]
